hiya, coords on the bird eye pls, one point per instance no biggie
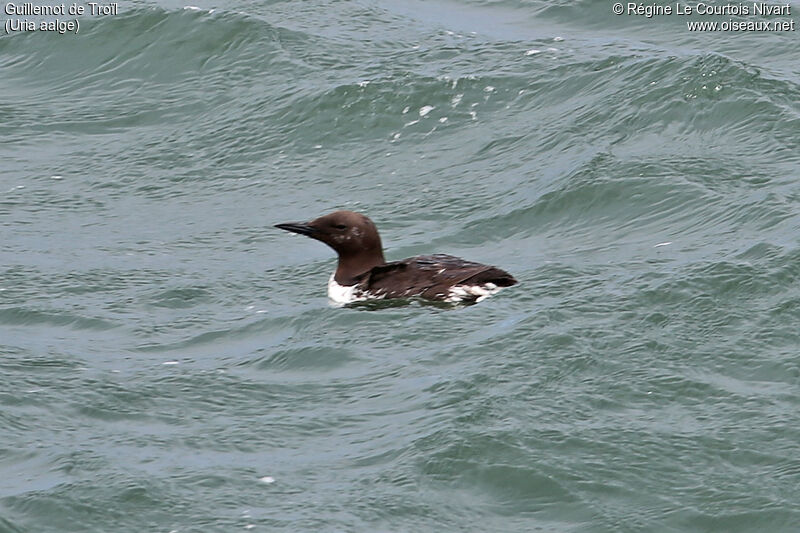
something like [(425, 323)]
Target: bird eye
[(340, 226)]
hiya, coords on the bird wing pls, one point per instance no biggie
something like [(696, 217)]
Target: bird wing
[(430, 276)]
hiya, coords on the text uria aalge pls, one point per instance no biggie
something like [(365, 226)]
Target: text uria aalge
[(739, 9)]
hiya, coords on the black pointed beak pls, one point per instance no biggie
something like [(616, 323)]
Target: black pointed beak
[(298, 227)]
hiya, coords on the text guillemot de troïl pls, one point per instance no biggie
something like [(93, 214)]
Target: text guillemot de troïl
[(28, 8)]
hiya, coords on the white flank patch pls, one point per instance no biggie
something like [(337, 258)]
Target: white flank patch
[(460, 293), (343, 294)]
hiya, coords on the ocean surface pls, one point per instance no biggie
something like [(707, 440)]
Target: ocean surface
[(169, 361)]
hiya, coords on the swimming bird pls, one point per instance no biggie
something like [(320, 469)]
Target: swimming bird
[(363, 274)]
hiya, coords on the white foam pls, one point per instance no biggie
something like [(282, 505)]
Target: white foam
[(195, 8), (424, 110)]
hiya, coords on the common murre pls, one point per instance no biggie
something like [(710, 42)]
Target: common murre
[(363, 274)]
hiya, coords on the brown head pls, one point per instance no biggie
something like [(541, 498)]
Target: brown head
[(352, 235)]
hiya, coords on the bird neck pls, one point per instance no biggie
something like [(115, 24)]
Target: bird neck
[(351, 266)]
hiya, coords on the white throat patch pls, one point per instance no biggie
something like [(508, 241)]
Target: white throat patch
[(343, 294)]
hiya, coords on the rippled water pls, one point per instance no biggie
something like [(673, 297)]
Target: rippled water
[(169, 361)]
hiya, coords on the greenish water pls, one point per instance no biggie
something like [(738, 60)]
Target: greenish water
[(642, 182)]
